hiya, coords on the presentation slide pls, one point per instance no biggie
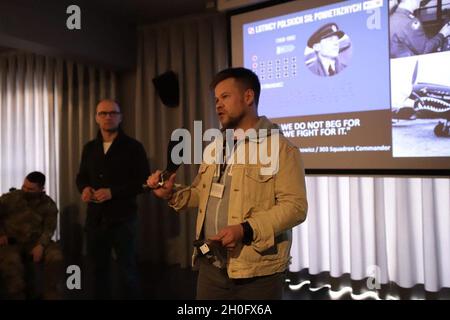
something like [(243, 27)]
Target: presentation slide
[(354, 84)]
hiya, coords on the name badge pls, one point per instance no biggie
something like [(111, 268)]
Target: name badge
[(217, 190)]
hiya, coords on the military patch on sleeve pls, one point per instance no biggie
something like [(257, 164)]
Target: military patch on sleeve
[(415, 25)]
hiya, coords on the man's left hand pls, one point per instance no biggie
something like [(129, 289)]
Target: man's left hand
[(230, 236), (102, 195), (37, 253)]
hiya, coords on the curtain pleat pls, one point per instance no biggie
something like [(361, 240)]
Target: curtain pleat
[(28, 120)]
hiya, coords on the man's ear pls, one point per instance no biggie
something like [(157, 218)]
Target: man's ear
[(249, 96)]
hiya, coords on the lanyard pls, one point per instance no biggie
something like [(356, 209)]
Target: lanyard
[(223, 164)]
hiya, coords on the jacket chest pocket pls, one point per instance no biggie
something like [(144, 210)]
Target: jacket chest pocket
[(205, 173), (258, 187)]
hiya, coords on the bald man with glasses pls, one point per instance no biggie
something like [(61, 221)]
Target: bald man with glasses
[(112, 170)]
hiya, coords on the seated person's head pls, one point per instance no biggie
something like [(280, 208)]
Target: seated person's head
[(34, 182)]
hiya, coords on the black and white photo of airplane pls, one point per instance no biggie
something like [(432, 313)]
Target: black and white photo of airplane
[(420, 104), (427, 101)]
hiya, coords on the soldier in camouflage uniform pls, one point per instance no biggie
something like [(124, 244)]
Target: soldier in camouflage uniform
[(27, 223), (407, 36)]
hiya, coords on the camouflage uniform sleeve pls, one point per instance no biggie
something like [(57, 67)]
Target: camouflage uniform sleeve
[(49, 223)]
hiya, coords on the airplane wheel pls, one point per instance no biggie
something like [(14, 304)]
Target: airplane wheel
[(441, 130)]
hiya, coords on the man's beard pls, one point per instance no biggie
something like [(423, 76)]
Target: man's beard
[(233, 122)]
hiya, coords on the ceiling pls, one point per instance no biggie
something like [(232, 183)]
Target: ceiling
[(40, 26), (146, 11), (131, 11)]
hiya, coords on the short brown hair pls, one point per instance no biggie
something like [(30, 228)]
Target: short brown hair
[(244, 76)]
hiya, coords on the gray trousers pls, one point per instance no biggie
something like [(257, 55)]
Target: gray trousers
[(214, 284)]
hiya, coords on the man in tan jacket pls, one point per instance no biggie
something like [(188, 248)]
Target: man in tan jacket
[(248, 203)]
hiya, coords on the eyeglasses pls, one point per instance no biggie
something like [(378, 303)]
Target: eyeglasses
[(103, 114)]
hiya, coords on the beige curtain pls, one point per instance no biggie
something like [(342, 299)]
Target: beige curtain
[(195, 48), (30, 103), (390, 229)]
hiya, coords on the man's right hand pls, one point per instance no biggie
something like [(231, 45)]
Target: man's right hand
[(166, 190), (3, 240), (87, 194)]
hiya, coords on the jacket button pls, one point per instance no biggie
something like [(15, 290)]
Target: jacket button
[(204, 186)]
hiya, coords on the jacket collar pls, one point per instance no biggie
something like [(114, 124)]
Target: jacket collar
[(262, 123)]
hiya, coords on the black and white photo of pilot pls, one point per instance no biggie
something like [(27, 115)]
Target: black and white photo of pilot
[(420, 99), (418, 27), (328, 50)]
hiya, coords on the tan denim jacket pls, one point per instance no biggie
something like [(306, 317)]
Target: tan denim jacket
[(272, 202)]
